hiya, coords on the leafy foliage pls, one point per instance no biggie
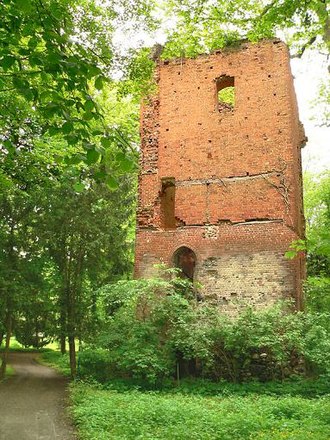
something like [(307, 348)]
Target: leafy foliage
[(56, 58), (153, 332), (101, 414), (207, 25), (317, 213)]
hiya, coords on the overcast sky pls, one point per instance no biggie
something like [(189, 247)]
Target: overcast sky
[(308, 72)]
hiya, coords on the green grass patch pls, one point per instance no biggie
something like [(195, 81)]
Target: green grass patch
[(9, 371), (56, 360), (109, 414), (15, 346)]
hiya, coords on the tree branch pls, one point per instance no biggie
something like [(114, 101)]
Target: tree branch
[(305, 46)]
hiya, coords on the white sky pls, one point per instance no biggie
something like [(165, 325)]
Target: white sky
[(308, 72)]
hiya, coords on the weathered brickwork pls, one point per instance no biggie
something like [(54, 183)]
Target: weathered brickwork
[(231, 176)]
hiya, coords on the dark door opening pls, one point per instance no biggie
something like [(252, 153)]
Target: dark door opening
[(184, 259)]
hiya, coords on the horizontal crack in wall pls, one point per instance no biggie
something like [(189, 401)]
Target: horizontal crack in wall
[(253, 221), (223, 180)]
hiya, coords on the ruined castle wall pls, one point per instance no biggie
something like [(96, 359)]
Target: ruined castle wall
[(236, 174)]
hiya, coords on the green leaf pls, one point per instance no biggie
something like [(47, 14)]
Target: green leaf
[(106, 142), (73, 160), (93, 71), (23, 5), (56, 11), (89, 105), (36, 60), (92, 156), (79, 187), (71, 139), (100, 175), (28, 94), (88, 116), (99, 82), (7, 62), (67, 127), (112, 183), (19, 83), (8, 144), (33, 42), (290, 254), (125, 164), (97, 132), (53, 130)]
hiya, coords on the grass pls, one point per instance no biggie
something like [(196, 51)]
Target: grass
[(56, 360), (9, 371), (119, 410), (17, 347), (108, 414)]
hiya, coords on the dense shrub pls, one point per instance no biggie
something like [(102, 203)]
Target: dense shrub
[(156, 330), (317, 294), (94, 364)]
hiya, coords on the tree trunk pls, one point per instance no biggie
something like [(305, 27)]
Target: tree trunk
[(37, 333), (6, 351), (62, 344), (72, 351), (63, 324), (71, 330)]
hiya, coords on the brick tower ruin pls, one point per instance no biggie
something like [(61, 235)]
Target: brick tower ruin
[(220, 188)]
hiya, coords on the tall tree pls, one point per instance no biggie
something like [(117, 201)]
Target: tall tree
[(85, 234)]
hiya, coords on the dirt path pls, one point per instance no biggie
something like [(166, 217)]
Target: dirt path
[(32, 403)]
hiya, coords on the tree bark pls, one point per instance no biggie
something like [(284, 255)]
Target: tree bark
[(73, 360), (6, 351), (63, 326)]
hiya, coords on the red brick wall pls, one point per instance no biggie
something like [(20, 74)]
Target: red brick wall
[(238, 197)]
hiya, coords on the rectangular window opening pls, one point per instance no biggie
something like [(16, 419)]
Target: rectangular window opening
[(225, 89), (167, 198)]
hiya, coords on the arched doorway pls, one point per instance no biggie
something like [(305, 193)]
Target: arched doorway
[(184, 259)]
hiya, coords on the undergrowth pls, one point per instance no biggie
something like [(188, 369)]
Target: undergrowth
[(56, 360), (112, 414)]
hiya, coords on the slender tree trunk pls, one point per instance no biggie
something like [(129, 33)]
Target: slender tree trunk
[(62, 328), (71, 317), (6, 351), (1, 338), (73, 360), (37, 332), (74, 289), (71, 332), (62, 344)]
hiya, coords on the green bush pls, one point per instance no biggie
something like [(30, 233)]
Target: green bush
[(94, 364), (57, 360), (137, 335), (317, 294), (156, 330)]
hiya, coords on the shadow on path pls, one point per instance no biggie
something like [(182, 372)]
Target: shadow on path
[(33, 402)]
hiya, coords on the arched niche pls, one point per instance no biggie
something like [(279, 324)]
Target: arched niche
[(185, 259)]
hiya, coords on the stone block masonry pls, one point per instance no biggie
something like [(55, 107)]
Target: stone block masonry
[(220, 186)]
